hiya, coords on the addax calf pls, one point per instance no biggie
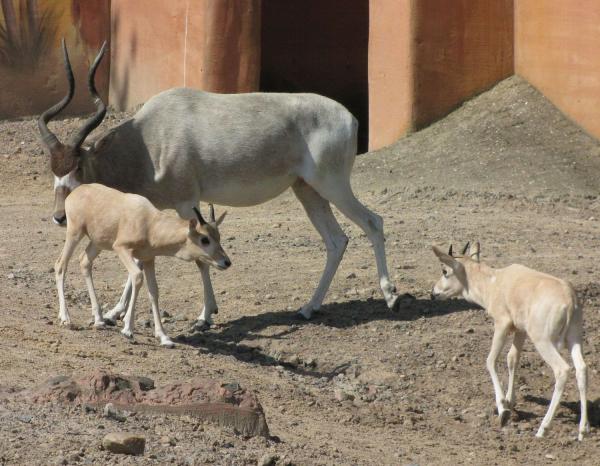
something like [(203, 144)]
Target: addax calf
[(132, 227), (528, 303)]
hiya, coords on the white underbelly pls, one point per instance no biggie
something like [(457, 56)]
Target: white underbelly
[(246, 194)]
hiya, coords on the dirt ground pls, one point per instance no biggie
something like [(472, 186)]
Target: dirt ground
[(358, 384)]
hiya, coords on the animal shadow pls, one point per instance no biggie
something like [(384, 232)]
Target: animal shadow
[(225, 339), (573, 406)]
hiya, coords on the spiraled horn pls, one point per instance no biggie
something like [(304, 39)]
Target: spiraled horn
[(48, 137), (95, 120)]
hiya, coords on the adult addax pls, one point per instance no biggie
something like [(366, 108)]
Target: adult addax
[(186, 146)]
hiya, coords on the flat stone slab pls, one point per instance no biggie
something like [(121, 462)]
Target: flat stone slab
[(124, 443), (225, 404)]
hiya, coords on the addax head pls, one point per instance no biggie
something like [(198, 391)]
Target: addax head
[(454, 278), (203, 243), (65, 158)]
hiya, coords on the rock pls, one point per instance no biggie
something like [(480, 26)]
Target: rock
[(470, 330), (167, 441), (340, 395), (219, 402), (351, 276), (268, 459), (293, 360), (111, 412), (124, 443)]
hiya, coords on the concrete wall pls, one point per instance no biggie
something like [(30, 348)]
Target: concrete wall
[(390, 71), (557, 49), (426, 58), (458, 52), (209, 44), (396, 64), (32, 76)]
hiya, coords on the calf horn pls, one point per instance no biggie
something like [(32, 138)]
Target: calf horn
[(199, 215), (211, 213)]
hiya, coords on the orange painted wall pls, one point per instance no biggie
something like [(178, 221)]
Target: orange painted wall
[(209, 44), (557, 49), (428, 56), (147, 56), (460, 51), (32, 76), (390, 70)]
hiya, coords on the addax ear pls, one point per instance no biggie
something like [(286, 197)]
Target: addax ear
[(474, 251), (444, 258), (193, 224)]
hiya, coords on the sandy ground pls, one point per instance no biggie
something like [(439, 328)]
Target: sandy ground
[(358, 384)]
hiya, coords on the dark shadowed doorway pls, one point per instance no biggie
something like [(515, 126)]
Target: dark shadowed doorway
[(318, 46)]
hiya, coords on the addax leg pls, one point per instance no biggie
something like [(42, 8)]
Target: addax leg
[(118, 311), (574, 341), (500, 334), (512, 360), (159, 331), (60, 268), (319, 213), (85, 262), (561, 370), (339, 192), (210, 304), (137, 279)]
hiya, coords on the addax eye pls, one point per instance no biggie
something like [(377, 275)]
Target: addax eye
[(444, 272), (205, 241)]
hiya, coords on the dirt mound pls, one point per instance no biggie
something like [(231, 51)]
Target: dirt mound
[(510, 139), (224, 403)]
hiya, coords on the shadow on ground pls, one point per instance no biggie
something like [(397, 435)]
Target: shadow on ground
[(225, 339), (573, 406)]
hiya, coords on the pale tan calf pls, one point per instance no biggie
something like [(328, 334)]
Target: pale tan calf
[(528, 303), (132, 227)]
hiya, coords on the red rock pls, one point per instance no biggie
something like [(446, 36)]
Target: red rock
[(225, 404)]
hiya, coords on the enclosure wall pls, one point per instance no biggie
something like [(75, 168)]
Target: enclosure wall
[(461, 48), (390, 71), (32, 75), (557, 50), (316, 46), (209, 44), (425, 58)]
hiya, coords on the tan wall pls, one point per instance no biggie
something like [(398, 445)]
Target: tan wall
[(557, 49), (32, 77), (459, 52), (390, 71), (426, 58), (148, 48), (210, 44)]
